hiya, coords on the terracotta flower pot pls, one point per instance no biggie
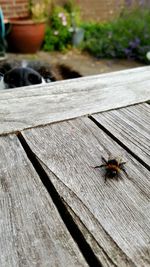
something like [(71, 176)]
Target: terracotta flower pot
[(26, 36)]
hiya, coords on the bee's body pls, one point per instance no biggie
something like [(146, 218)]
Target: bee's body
[(113, 167)]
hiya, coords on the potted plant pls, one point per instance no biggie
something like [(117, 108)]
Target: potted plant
[(64, 29), (26, 35), (77, 31)]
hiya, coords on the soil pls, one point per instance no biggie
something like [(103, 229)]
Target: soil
[(83, 62)]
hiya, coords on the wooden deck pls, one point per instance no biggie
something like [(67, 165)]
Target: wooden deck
[(55, 208)]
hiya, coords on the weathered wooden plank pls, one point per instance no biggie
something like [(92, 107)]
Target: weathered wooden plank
[(116, 213), (28, 107), (131, 125), (31, 230)]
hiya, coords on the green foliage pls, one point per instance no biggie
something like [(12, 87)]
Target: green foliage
[(56, 40), (126, 37), (74, 12), (58, 35), (39, 9)]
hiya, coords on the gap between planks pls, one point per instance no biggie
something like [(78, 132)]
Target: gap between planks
[(89, 115), (73, 229), (63, 211), (119, 142), (129, 127), (75, 226), (57, 155)]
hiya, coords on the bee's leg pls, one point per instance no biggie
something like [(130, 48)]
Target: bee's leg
[(118, 177), (104, 160), (122, 163), (124, 170), (100, 166), (106, 177)]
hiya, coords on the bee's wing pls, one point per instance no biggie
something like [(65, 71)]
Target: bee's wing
[(104, 163)]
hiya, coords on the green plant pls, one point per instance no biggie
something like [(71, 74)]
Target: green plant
[(64, 21), (39, 9), (126, 37), (58, 34), (74, 12)]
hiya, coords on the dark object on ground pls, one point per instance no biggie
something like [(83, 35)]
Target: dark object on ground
[(18, 77), (67, 73), (24, 73)]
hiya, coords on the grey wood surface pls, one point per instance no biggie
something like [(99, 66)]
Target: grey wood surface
[(131, 126), (38, 105), (114, 216), (31, 230)]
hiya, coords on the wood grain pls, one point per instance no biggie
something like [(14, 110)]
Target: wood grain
[(31, 230), (38, 105), (131, 126), (114, 214)]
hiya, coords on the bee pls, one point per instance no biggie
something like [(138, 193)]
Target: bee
[(113, 167)]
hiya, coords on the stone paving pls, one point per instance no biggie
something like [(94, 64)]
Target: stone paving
[(83, 62)]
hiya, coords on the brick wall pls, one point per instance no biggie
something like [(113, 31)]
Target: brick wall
[(14, 8), (103, 10), (94, 10), (98, 10)]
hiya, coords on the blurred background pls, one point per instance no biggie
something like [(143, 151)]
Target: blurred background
[(91, 36)]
